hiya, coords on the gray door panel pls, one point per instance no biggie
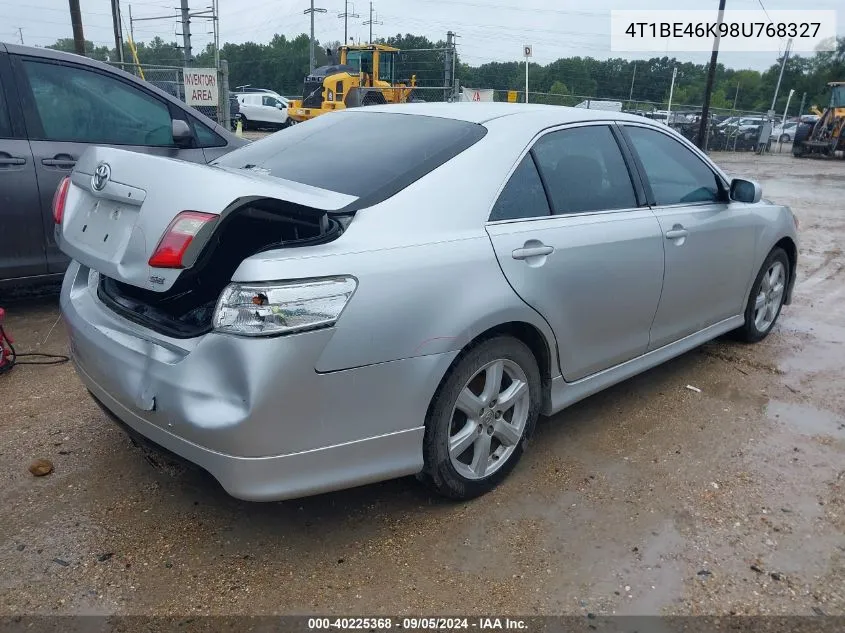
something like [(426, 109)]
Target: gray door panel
[(21, 229), (706, 269), (598, 289)]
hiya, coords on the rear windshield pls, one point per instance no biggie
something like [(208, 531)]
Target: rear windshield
[(370, 155)]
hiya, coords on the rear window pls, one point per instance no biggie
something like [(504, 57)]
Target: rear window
[(370, 155)]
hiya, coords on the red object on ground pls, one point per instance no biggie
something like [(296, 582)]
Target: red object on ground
[(6, 354)]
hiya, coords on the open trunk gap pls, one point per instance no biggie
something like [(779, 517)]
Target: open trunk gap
[(186, 309)]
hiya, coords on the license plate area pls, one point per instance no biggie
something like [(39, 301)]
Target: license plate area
[(104, 227)]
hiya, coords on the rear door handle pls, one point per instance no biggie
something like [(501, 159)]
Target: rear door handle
[(533, 251), (676, 234), (12, 160), (61, 163)]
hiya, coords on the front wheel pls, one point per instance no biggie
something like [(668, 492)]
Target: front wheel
[(481, 418), (767, 296)]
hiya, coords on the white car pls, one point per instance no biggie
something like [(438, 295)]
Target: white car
[(784, 133), (263, 110)]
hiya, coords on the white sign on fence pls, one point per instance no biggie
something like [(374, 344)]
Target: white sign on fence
[(476, 94), (200, 86)]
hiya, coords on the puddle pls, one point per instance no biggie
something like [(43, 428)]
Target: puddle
[(805, 419)]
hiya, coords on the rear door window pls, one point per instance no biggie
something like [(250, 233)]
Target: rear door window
[(336, 152), (79, 105), (584, 170)]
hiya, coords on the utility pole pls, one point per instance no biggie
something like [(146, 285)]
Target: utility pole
[(312, 11), (803, 103), (631, 93), (216, 9), (186, 32), (20, 33), (736, 95), (371, 21), (76, 23), (118, 33), (131, 26), (780, 77), (671, 94), (346, 15), (708, 88), (447, 65)]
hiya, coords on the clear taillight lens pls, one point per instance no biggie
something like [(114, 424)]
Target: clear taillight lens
[(264, 309)]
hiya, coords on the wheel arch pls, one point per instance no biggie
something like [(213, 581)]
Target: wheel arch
[(791, 250), (528, 334)]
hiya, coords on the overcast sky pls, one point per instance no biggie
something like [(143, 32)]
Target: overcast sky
[(488, 29)]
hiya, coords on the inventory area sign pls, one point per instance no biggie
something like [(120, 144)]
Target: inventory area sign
[(200, 86)]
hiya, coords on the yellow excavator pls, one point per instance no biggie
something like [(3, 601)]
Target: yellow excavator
[(827, 135), (365, 74)]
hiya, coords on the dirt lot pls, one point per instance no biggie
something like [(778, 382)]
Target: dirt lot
[(648, 498)]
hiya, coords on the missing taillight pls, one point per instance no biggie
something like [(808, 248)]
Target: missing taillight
[(59, 200), (172, 247)]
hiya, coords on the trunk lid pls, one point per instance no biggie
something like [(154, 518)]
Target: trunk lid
[(120, 204)]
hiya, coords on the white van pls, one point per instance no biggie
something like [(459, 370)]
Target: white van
[(263, 110)]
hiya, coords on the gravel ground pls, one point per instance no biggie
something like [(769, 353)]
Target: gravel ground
[(649, 498)]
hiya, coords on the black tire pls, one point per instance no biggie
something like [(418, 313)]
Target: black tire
[(244, 123), (373, 98), (784, 138), (439, 471), (801, 134), (749, 331)]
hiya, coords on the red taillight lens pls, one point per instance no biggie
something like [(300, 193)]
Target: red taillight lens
[(59, 199), (178, 237)]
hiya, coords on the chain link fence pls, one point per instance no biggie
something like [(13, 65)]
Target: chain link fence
[(729, 129), (171, 80)]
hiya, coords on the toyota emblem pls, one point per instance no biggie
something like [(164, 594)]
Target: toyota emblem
[(101, 177)]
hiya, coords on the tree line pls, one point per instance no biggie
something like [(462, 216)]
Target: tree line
[(282, 63)]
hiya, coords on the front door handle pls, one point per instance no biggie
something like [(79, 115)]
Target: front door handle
[(676, 234), (533, 251), (11, 160), (61, 163)]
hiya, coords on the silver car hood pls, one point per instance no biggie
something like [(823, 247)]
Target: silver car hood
[(113, 223)]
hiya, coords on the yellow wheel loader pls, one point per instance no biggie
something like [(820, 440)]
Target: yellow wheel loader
[(364, 75), (827, 135)]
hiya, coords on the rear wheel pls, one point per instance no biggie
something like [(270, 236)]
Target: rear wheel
[(481, 418), (767, 296)]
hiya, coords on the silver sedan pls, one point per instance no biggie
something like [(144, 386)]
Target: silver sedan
[(401, 290)]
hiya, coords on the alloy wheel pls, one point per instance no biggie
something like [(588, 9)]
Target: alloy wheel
[(489, 419)]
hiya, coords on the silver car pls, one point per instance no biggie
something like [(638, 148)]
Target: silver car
[(399, 290)]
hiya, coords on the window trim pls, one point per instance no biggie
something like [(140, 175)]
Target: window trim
[(12, 101), (633, 172), (32, 118), (721, 179)]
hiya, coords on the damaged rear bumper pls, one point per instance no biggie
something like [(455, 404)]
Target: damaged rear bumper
[(253, 412)]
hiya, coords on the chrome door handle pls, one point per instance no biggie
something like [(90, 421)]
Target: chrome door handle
[(533, 251), (676, 234)]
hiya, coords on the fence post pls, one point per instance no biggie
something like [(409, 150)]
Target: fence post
[(223, 108)]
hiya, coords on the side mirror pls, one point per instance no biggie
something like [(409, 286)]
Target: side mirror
[(746, 191), (280, 106), (182, 135)]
